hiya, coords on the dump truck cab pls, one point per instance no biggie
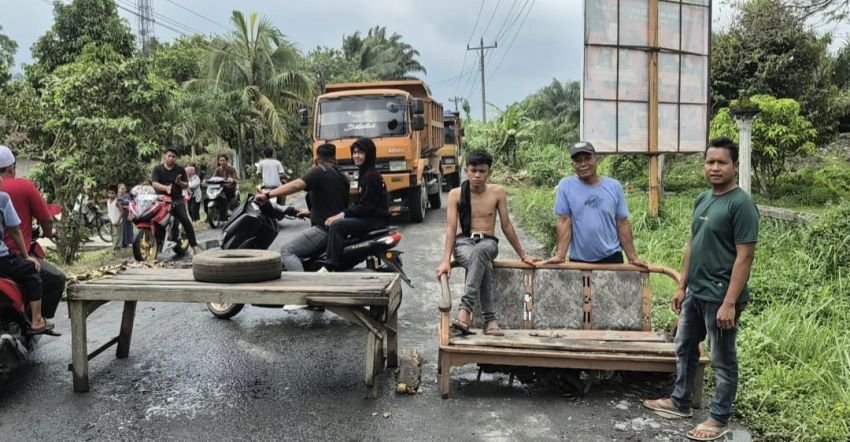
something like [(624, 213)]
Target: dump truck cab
[(450, 153)]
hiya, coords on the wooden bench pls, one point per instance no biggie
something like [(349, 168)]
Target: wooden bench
[(370, 300), (572, 315)]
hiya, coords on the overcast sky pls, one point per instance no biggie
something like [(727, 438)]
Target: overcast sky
[(544, 43)]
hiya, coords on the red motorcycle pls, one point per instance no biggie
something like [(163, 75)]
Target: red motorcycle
[(15, 344), (151, 213)]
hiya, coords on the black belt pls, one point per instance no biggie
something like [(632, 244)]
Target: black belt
[(476, 236)]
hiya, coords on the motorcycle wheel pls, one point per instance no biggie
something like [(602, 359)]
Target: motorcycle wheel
[(182, 245), (104, 230), (145, 246), (224, 311), (214, 217)]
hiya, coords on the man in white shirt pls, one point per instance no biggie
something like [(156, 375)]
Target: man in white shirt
[(271, 170)]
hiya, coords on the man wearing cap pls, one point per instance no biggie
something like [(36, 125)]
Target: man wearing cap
[(593, 217), (29, 205), (328, 195)]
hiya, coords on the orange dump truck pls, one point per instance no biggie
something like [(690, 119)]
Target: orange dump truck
[(406, 125), (450, 152)]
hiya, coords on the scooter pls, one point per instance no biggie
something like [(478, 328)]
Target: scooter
[(15, 344), (151, 213), (255, 226), (216, 203)]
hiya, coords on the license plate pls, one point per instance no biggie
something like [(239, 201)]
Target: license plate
[(353, 184)]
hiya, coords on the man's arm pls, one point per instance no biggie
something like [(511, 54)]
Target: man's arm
[(679, 297), (624, 232), (508, 227), (284, 190), (745, 253), (18, 238), (451, 233), (156, 182), (564, 230), (39, 209)]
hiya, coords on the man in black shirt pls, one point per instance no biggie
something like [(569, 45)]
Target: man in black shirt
[(170, 179), (328, 195)]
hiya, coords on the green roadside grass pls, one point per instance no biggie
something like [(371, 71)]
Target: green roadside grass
[(794, 344)]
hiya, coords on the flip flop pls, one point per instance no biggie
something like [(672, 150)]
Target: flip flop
[(663, 410), (494, 331), (461, 327), (717, 432), (47, 329)]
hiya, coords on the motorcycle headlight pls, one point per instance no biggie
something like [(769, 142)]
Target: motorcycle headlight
[(398, 165)]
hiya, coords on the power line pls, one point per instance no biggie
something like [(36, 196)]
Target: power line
[(513, 21), (197, 14), (468, 41), (505, 21), (492, 16), (160, 19), (514, 38)]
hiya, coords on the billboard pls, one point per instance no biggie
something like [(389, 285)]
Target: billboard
[(616, 78)]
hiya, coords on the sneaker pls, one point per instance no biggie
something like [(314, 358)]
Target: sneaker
[(293, 307), (322, 270)]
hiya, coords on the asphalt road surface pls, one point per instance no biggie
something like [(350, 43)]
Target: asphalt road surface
[(269, 374)]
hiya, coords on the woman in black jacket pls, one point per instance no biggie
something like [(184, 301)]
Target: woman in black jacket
[(369, 212)]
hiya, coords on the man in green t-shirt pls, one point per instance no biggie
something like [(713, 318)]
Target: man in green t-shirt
[(713, 290)]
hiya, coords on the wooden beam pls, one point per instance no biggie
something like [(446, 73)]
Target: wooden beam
[(654, 186)]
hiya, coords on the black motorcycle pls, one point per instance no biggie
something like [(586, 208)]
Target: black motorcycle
[(255, 226), (216, 203)]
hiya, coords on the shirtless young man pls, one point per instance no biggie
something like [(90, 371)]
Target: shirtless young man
[(475, 246)]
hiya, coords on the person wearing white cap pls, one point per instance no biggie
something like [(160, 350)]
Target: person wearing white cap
[(29, 205), (21, 268)]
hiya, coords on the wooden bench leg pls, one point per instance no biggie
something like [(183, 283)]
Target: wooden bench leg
[(445, 370), (126, 329), (374, 361), (699, 386), (79, 348), (392, 341)]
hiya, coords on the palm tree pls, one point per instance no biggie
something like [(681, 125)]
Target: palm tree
[(257, 61), (382, 57)]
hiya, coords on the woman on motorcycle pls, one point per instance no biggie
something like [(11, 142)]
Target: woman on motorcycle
[(369, 212)]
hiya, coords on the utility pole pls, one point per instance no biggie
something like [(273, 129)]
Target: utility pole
[(455, 100), (145, 14), (481, 49)]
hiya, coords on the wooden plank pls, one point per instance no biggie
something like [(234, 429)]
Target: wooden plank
[(347, 301), (662, 366), (272, 297), (595, 335), (574, 355), (340, 278), (373, 289), (582, 345)]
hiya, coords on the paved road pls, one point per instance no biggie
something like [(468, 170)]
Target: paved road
[(269, 374)]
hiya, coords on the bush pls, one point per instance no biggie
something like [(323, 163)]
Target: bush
[(546, 165), (828, 239), (684, 174), (816, 186)]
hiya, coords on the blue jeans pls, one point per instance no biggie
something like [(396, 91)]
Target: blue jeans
[(697, 320)]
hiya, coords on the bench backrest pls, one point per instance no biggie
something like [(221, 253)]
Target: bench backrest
[(561, 298)]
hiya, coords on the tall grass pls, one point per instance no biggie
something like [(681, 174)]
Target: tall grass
[(794, 346)]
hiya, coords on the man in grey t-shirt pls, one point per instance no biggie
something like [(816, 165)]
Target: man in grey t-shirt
[(271, 170), (593, 217)]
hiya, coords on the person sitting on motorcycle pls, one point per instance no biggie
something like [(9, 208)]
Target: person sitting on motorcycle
[(369, 212), (271, 171), (228, 172), (170, 179), (328, 195), (29, 205)]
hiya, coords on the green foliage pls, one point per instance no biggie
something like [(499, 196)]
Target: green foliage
[(556, 110), (380, 56), (793, 355), (684, 174), (780, 133), (767, 49), (330, 65), (75, 26), (7, 56), (813, 186), (180, 60)]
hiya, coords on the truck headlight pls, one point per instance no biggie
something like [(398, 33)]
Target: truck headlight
[(398, 165)]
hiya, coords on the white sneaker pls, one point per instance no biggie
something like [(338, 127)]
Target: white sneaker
[(322, 270), (292, 307)]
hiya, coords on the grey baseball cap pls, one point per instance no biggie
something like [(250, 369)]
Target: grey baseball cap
[(582, 147)]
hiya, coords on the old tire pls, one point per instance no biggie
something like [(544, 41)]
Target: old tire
[(417, 204), (236, 266), (224, 311)]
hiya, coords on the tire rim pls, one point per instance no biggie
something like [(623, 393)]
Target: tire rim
[(219, 307), (147, 247), (423, 200)]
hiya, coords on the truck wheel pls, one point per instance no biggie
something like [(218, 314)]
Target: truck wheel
[(227, 266), (434, 200), (417, 203)]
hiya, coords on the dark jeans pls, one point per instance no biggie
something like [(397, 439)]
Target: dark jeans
[(303, 245), (477, 256), (53, 280), (697, 320), (23, 273), (344, 228), (194, 209), (616, 258), (179, 211)]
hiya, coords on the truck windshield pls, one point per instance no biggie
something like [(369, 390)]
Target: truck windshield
[(449, 131), (361, 116)]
